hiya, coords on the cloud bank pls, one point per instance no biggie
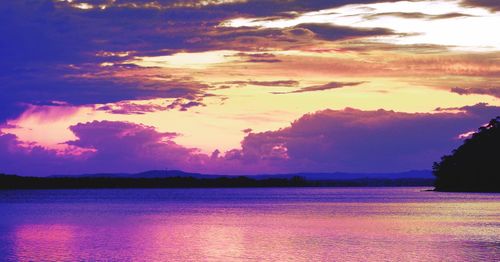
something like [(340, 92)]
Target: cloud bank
[(349, 140)]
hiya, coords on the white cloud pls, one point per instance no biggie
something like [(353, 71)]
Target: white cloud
[(473, 32)]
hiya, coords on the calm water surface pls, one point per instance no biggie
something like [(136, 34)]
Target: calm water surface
[(289, 224)]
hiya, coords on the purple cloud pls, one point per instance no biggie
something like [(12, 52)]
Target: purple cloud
[(326, 141), (364, 141), (101, 146)]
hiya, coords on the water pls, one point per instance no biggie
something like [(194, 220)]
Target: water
[(287, 224)]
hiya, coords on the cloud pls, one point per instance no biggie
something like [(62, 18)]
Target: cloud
[(364, 141), (114, 146), (80, 56), (480, 91), (19, 158), (258, 57), (117, 143), (101, 146), (298, 37), (335, 32), (88, 85), (416, 15), (493, 5), (263, 60), (325, 141), (182, 102), (285, 83), (61, 57), (416, 31), (328, 86), (129, 108), (183, 105), (59, 53), (350, 58)]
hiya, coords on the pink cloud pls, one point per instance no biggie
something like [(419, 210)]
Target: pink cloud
[(49, 113), (349, 140)]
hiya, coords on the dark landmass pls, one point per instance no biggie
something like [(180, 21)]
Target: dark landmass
[(475, 165), (414, 174), (308, 176), (156, 179)]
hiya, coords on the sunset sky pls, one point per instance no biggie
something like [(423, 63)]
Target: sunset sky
[(243, 86)]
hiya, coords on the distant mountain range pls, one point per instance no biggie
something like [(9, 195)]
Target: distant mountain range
[(180, 179), (414, 174)]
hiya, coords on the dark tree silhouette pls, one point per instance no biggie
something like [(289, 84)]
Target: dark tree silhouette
[(475, 165)]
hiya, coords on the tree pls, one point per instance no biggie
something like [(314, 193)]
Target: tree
[(475, 165)]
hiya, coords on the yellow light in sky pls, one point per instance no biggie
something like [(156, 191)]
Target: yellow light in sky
[(392, 80), (219, 126), (188, 60), (84, 6)]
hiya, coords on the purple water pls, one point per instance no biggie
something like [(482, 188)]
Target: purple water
[(285, 224)]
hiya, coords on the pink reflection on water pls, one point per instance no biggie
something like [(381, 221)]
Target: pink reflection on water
[(458, 230), (319, 232), (268, 237), (44, 242)]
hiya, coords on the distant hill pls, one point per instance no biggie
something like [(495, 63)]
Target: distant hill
[(418, 174), (474, 166), (79, 182), (414, 174), (146, 174), (180, 179)]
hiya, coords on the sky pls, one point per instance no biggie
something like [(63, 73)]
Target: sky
[(243, 87)]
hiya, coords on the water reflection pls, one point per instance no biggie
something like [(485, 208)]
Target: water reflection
[(44, 243), (246, 225)]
